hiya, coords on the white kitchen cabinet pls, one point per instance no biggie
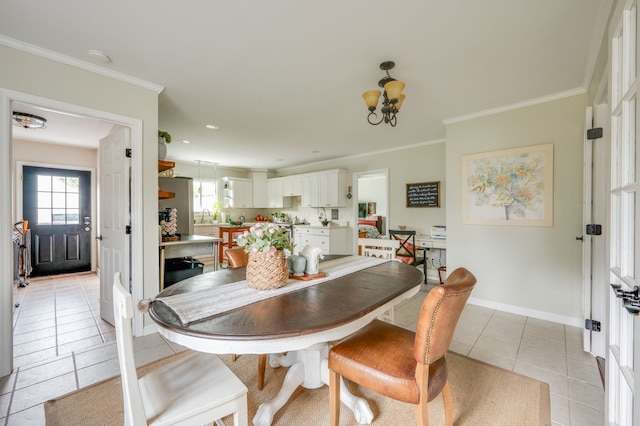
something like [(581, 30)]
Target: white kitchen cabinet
[(310, 191), (275, 198), (292, 186), (325, 189), (332, 240), (206, 230), (260, 190), (237, 193)]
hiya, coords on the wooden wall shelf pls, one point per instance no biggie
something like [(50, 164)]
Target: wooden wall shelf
[(163, 195), (165, 165)]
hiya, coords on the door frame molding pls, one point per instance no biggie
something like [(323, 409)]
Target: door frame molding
[(354, 192), (7, 96), (18, 188)]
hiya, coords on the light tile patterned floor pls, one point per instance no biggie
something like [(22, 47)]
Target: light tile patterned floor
[(61, 344)]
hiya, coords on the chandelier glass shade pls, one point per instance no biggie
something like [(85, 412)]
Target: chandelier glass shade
[(28, 121), (392, 98)]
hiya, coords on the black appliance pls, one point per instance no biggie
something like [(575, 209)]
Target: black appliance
[(181, 268)]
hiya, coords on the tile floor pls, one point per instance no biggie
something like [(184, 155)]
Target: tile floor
[(61, 344)]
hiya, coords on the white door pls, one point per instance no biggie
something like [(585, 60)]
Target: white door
[(623, 357), (595, 276), (115, 213)]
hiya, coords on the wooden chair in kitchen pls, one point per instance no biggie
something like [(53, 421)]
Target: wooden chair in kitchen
[(400, 364), (408, 252), (195, 389), (383, 249), (238, 258)]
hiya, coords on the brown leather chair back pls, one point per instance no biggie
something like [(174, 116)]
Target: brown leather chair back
[(237, 257), (439, 315)]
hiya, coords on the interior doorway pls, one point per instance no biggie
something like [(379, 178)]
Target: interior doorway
[(371, 188), (10, 208)]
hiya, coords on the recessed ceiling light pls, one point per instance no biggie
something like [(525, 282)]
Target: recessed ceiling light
[(185, 141), (212, 127), (100, 56)]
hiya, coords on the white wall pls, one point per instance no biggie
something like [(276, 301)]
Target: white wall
[(534, 271), (36, 76)]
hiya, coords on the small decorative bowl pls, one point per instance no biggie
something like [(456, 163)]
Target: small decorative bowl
[(402, 227)]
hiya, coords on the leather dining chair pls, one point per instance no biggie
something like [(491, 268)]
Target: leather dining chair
[(238, 258), (195, 389), (408, 252), (400, 364)]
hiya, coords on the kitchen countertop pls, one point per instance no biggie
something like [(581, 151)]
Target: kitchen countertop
[(191, 239)]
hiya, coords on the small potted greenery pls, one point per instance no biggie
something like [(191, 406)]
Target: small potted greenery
[(163, 139), (217, 207)]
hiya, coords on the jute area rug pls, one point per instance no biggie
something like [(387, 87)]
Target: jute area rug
[(482, 395)]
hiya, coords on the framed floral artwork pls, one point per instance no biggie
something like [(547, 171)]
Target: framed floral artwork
[(512, 187)]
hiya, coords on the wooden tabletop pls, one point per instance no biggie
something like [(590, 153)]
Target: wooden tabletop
[(306, 311)]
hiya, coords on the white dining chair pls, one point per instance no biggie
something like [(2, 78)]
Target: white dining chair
[(196, 389), (383, 249)]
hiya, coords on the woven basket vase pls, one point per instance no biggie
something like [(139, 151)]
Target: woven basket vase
[(267, 271)]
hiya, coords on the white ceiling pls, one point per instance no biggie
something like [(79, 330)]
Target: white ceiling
[(283, 78)]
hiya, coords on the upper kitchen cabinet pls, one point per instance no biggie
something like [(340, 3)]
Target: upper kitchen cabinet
[(237, 192), (276, 199), (292, 186), (325, 189), (260, 189)]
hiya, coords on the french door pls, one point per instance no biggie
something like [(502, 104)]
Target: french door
[(623, 360)]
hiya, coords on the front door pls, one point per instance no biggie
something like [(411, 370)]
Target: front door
[(57, 204)]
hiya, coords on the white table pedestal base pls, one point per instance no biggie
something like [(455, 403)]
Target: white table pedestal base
[(308, 368)]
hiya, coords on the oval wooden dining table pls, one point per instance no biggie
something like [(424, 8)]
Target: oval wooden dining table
[(300, 323)]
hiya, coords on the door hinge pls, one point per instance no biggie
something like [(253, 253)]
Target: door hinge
[(127, 229), (595, 133), (127, 152), (592, 325), (594, 229)]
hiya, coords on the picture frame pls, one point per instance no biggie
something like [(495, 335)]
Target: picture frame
[(371, 208), (511, 187)]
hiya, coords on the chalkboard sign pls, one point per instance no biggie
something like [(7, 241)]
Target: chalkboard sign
[(423, 194)]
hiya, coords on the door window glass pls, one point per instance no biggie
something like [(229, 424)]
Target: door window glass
[(58, 200)]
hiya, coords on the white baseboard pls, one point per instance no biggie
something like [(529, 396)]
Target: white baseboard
[(533, 313)]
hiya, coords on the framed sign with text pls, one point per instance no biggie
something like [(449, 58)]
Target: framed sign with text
[(423, 194)]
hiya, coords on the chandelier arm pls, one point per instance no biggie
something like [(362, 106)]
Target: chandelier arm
[(375, 115)]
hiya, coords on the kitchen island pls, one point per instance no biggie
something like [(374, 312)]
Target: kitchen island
[(186, 246)]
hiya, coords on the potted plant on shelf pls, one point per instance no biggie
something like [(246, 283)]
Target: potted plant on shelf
[(267, 268), (163, 139)]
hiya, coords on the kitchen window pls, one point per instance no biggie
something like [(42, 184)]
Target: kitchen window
[(205, 194)]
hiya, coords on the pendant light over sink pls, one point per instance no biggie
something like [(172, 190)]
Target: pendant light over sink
[(392, 98)]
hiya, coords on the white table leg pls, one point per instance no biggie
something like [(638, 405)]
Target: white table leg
[(293, 379), (310, 368)]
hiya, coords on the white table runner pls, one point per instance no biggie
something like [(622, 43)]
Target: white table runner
[(198, 305)]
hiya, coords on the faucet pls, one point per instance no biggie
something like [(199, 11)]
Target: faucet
[(208, 214)]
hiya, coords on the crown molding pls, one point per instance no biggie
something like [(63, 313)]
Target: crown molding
[(518, 105), (87, 66)]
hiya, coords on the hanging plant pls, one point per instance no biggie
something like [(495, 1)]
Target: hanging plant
[(165, 135)]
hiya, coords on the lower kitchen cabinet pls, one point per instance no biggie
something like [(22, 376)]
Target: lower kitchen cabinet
[(332, 240)]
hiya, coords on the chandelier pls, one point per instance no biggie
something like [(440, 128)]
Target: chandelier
[(392, 98), (28, 121)]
